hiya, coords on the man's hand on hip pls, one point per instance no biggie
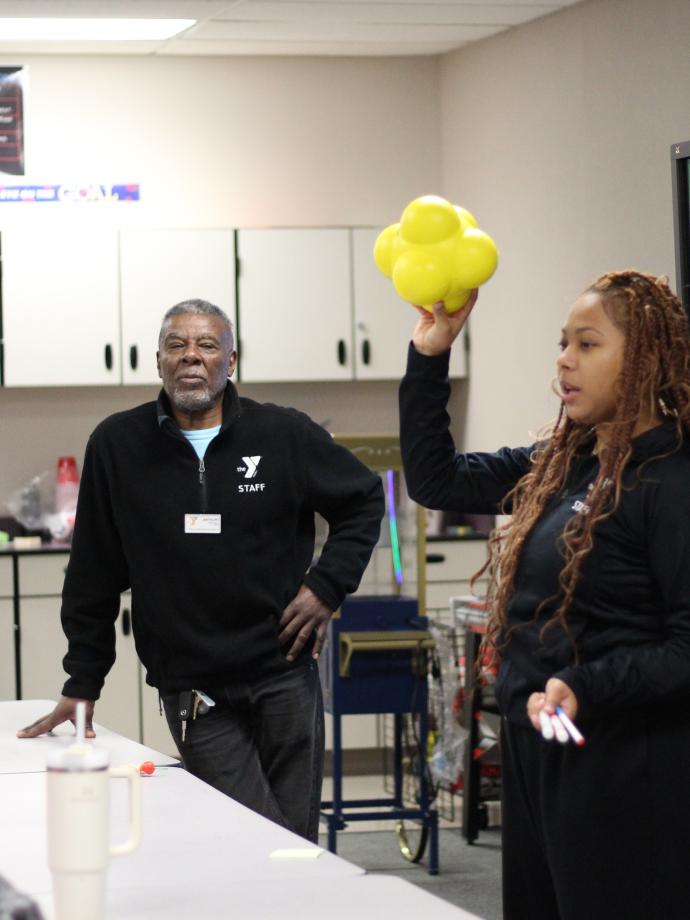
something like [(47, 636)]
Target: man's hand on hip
[(304, 615), (66, 709)]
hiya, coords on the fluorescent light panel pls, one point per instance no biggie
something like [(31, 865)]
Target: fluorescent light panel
[(91, 30)]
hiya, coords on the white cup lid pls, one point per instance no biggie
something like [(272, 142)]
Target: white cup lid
[(77, 758)]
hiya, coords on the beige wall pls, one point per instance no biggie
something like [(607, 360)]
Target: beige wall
[(220, 142), (557, 134), (236, 141)]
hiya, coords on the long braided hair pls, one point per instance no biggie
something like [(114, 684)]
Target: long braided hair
[(655, 381)]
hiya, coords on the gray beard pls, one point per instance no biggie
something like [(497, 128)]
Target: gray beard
[(193, 401)]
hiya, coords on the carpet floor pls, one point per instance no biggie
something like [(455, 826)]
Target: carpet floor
[(469, 876)]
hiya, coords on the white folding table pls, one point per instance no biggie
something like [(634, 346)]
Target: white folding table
[(202, 854), (192, 835), (195, 839), (361, 897)]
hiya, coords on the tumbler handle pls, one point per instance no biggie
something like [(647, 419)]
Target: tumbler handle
[(134, 780)]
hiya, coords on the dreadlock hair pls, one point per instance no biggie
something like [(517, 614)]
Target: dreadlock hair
[(655, 381)]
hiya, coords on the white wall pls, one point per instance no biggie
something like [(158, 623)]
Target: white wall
[(219, 142), (557, 135)]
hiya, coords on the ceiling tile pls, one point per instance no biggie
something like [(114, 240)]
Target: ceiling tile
[(296, 27)]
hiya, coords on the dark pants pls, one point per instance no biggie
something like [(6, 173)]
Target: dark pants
[(600, 832), (262, 744)]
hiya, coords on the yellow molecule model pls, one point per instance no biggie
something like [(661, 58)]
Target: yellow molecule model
[(435, 253)]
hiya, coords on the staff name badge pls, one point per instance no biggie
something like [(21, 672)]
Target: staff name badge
[(202, 523)]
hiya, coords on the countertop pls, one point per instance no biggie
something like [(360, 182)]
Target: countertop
[(9, 549)]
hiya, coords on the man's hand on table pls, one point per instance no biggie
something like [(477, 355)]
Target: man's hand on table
[(65, 710)]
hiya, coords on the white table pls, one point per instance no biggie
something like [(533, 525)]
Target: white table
[(362, 897), (191, 834), (202, 855), (28, 755)]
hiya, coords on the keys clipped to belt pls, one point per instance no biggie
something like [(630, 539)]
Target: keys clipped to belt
[(190, 705)]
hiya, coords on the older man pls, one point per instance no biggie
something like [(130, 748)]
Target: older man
[(203, 504)]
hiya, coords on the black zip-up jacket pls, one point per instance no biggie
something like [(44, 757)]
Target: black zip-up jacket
[(630, 616), (205, 606)]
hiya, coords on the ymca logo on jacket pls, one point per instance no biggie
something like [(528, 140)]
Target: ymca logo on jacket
[(250, 469)]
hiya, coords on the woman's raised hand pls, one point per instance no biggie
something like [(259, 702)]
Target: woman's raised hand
[(435, 332)]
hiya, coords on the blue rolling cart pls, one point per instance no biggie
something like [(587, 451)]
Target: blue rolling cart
[(375, 661)]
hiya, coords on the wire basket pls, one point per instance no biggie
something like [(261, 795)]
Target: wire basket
[(447, 734)]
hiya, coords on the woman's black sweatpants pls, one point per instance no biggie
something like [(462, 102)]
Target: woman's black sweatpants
[(600, 832)]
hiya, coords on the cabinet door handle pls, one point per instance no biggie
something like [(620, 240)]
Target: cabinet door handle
[(342, 353), (108, 357), (126, 622), (435, 557), (133, 357), (366, 351)]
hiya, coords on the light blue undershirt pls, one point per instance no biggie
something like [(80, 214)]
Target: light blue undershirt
[(200, 439)]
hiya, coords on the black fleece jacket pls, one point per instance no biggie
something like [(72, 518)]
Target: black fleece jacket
[(630, 616), (205, 606)]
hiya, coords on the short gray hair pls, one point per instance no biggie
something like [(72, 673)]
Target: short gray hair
[(198, 307)]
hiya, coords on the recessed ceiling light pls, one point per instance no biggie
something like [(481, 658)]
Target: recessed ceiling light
[(93, 30)]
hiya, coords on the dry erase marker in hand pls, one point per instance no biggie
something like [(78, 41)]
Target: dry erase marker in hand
[(572, 730), (559, 730), (546, 726)]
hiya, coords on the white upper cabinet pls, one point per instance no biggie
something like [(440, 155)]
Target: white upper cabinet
[(314, 306), (60, 307), (294, 305), (160, 268), (84, 307), (383, 323)]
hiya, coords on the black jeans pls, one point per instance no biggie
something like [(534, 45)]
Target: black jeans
[(262, 744)]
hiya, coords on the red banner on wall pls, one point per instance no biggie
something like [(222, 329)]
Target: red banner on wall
[(12, 120)]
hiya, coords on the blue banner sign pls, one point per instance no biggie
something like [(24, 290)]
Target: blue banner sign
[(69, 194)]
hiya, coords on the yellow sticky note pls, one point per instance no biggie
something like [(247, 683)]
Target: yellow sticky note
[(297, 853)]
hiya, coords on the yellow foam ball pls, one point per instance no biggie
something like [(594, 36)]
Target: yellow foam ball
[(455, 300), (436, 253), (476, 258), (420, 277), (429, 219), (383, 255), (398, 246)]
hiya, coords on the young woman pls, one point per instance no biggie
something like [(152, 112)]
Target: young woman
[(590, 602)]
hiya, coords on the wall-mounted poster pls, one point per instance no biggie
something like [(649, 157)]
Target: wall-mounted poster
[(12, 120)]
